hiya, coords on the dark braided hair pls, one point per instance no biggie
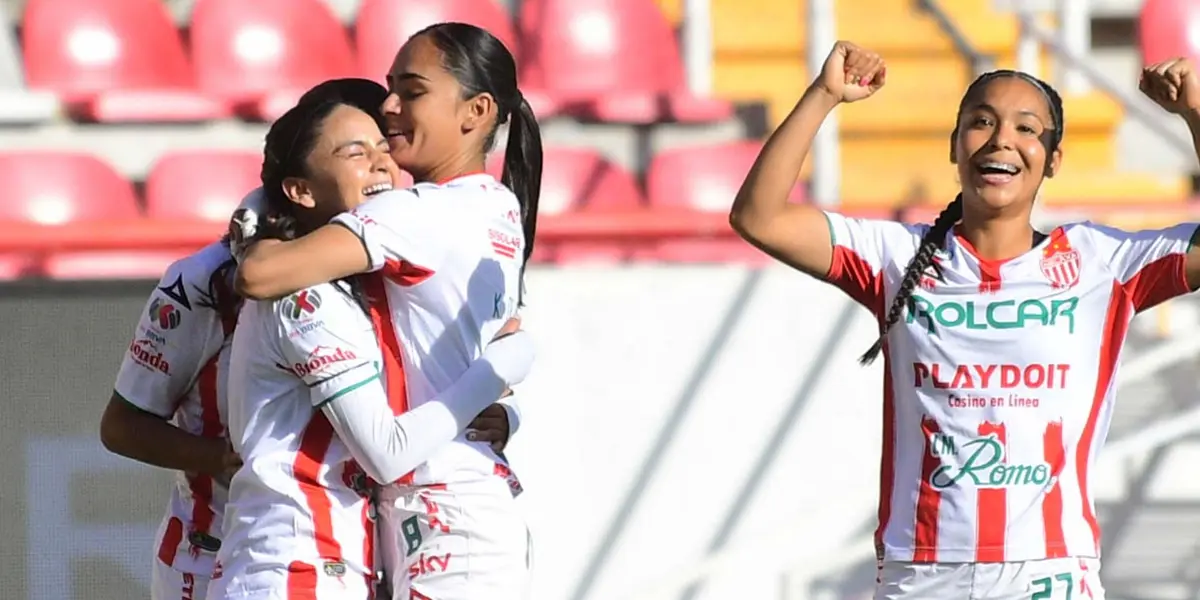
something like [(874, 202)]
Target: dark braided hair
[(936, 234)]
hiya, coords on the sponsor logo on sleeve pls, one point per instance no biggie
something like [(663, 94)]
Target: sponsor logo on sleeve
[(164, 315), (146, 354), (301, 305), (320, 359), (176, 291)]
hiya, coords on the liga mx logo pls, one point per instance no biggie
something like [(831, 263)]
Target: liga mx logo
[(300, 304), (164, 314)]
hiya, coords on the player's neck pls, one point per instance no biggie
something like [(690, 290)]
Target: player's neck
[(998, 239)]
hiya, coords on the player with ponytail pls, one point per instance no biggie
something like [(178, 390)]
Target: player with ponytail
[(445, 261), (1001, 343)]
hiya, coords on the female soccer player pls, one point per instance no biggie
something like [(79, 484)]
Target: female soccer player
[(1000, 343), (448, 255), (174, 370), (298, 521)]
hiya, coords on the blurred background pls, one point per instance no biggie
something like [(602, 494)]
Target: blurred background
[(697, 426)]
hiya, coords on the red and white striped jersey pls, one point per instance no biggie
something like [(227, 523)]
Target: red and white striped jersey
[(297, 517), (446, 261), (175, 368), (999, 382)]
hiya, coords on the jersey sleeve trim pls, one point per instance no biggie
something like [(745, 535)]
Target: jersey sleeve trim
[(345, 390)]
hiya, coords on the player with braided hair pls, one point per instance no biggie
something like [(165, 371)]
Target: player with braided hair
[(1001, 343)]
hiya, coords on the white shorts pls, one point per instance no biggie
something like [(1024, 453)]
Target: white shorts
[(1050, 579), (299, 581), (167, 583), (461, 541)]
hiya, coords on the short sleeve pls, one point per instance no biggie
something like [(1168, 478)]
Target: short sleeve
[(326, 340), (861, 249), (396, 226), (175, 337), (1149, 264)]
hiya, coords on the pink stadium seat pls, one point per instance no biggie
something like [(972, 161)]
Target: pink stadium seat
[(60, 188), (1163, 29), (109, 265), (261, 55), (382, 26), (580, 179), (53, 188), (201, 184), (15, 266), (611, 60), (704, 178), (116, 60)]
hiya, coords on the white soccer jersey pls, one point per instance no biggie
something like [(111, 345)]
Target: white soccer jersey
[(296, 515), (446, 260), (999, 382), (175, 368)]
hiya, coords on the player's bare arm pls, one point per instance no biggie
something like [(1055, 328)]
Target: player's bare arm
[(1174, 85), (151, 439), (272, 269), (795, 234)]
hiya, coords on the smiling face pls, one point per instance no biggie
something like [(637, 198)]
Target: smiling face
[(1005, 129), (348, 163)]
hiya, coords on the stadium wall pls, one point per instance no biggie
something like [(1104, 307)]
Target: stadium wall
[(673, 411)]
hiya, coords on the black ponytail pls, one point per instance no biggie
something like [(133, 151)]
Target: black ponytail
[(523, 172), (922, 261), (482, 65)]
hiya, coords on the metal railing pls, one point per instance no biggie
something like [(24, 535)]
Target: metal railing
[(1140, 109), (979, 62)]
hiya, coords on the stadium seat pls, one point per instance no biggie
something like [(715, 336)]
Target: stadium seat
[(704, 178), (60, 188), (610, 60), (382, 26), (202, 184), (580, 179), (15, 266), (1164, 27), (261, 55), (84, 266), (52, 188), (116, 61), (20, 105)]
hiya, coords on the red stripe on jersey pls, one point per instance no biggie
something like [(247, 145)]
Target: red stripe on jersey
[(210, 427), (505, 251), (856, 277), (314, 443), (393, 357), (928, 499), (1054, 453), (405, 273), (301, 581), (1116, 324), (992, 507), (171, 539), (1157, 282)]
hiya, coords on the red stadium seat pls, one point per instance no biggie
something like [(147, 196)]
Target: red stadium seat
[(580, 179), (15, 266), (84, 266), (59, 188), (201, 184), (611, 60), (116, 60), (382, 26), (704, 178), (53, 188), (261, 55), (1163, 29)]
